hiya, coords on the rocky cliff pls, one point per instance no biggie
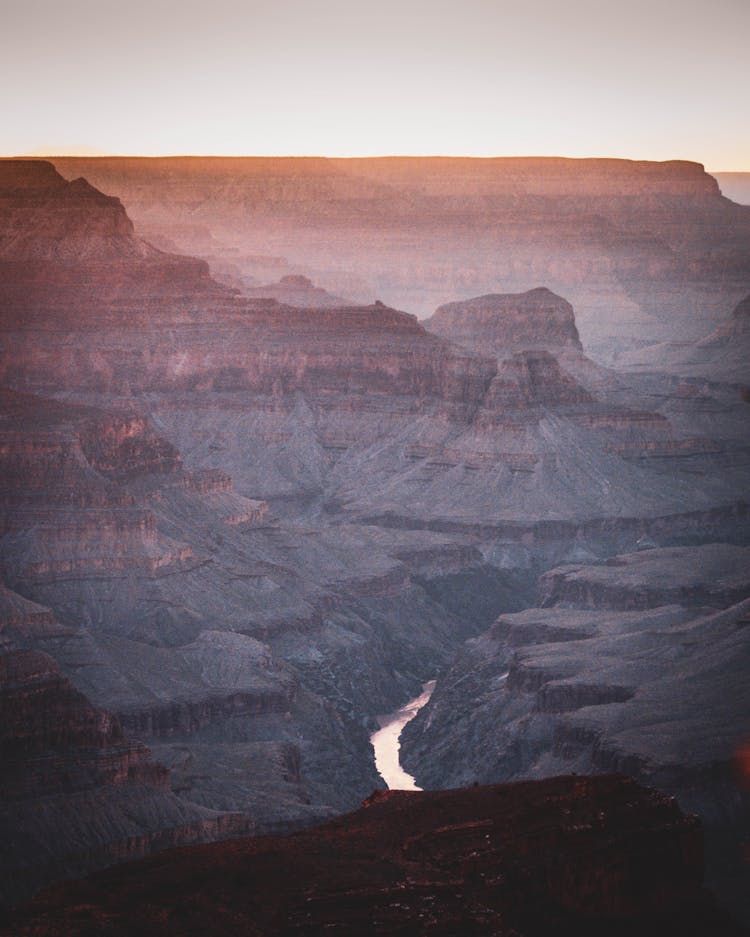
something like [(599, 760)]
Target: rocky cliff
[(635, 664), (43, 217), (504, 323), (642, 249), (76, 793), (572, 855), (258, 525)]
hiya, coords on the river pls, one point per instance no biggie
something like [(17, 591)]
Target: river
[(386, 742)]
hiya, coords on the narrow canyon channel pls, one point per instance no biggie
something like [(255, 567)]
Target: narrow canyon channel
[(386, 742)]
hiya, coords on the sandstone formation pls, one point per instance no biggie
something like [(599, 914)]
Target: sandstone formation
[(567, 855), (501, 324), (643, 250)]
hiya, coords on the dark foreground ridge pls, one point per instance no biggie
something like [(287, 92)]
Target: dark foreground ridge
[(567, 855)]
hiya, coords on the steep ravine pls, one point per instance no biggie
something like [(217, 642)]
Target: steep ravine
[(635, 664)]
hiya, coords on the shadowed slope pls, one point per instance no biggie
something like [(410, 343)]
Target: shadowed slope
[(566, 855)]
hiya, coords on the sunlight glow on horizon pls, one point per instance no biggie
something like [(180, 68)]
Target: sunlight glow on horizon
[(488, 78)]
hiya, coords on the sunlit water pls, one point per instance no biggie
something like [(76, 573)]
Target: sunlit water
[(387, 746)]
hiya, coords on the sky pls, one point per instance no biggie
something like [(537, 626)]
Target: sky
[(639, 79)]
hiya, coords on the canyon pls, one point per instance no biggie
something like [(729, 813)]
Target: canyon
[(644, 251), (241, 514)]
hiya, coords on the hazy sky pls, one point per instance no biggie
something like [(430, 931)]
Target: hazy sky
[(645, 79)]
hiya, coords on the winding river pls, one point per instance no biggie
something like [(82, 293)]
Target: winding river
[(386, 742)]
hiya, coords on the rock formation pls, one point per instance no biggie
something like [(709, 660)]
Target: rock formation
[(566, 855), (76, 793), (297, 290), (259, 525), (643, 250), (505, 323), (636, 664)]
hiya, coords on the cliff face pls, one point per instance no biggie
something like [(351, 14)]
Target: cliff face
[(148, 567), (238, 385), (643, 250), (258, 525), (635, 664), (43, 217), (537, 319), (573, 855), (76, 794), (157, 322)]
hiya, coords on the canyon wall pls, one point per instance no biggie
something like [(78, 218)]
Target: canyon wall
[(644, 251), (246, 526), (76, 793), (636, 664)]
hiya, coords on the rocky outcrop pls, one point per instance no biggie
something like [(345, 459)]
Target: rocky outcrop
[(61, 507), (711, 575), (567, 854), (642, 669), (505, 323), (643, 250), (45, 218), (76, 793), (297, 290)]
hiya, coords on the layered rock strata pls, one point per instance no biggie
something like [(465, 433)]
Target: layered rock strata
[(76, 793), (642, 249), (636, 664), (504, 323), (258, 525)]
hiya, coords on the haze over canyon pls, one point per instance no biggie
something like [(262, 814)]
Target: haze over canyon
[(282, 440)]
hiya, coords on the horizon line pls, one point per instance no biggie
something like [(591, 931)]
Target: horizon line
[(499, 156)]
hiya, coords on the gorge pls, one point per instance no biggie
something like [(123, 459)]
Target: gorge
[(234, 528)]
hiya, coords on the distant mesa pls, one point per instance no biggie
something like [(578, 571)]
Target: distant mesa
[(299, 291), (503, 323)]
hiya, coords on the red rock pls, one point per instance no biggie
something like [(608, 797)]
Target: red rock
[(501, 324), (565, 855)]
